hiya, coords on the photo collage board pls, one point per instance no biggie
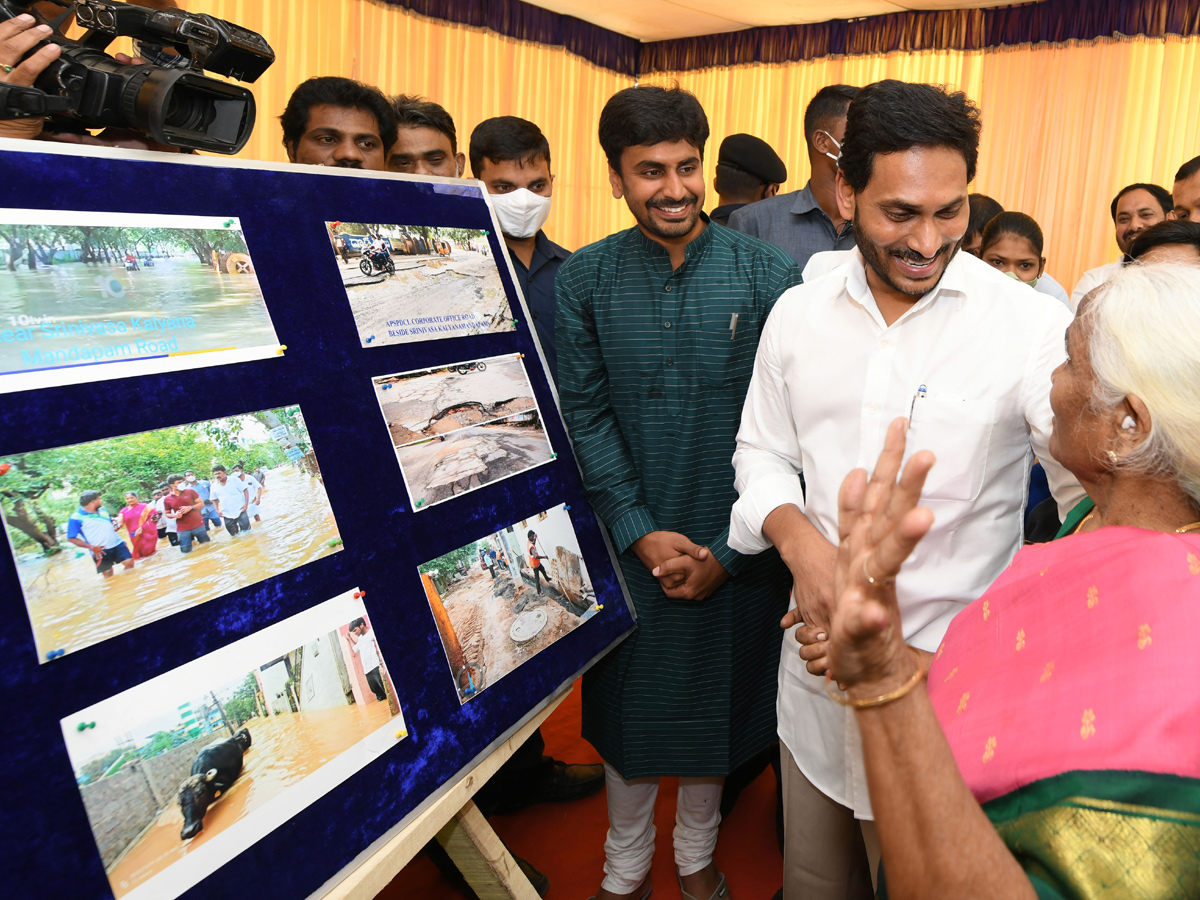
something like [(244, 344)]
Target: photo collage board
[(287, 498)]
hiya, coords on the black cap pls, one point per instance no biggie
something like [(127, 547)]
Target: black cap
[(753, 155)]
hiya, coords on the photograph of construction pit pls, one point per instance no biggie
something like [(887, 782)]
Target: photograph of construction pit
[(459, 427), (501, 600)]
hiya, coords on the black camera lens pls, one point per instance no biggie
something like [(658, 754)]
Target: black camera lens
[(189, 111)]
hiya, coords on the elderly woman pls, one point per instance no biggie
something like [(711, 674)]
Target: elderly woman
[(1054, 752)]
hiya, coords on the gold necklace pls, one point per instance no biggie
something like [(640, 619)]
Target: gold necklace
[(1183, 529)]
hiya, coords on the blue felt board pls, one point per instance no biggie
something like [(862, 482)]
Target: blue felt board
[(48, 846)]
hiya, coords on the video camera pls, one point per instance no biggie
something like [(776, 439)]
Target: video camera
[(167, 98)]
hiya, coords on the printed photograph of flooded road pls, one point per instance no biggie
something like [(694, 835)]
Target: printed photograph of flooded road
[(105, 543), (170, 771)]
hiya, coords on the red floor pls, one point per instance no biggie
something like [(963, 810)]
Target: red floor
[(566, 840)]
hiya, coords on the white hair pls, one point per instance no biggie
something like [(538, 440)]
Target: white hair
[(1144, 339)]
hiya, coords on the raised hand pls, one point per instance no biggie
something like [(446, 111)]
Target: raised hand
[(879, 525)]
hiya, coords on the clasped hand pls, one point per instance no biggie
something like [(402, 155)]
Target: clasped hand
[(879, 525), (685, 570)]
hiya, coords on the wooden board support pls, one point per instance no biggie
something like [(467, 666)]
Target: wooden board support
[(456, 822), (484, 861)]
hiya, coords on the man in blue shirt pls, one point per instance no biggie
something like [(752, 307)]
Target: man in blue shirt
[(807, 221), (91, 528), (511, 157)]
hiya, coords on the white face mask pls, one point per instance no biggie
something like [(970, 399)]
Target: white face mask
[(837, 142), (522, 213)]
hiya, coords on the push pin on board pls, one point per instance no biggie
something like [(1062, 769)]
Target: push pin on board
[(386, 387), (599, 606), (55, 654), (230, 223), (554, 456), (401, 734), (334, 542), (359, 594), (368, 340), (516, 322), (567, 507), (84, 726), (279, 351), (419, 502)]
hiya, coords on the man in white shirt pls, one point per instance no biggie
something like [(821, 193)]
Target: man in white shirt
[(231, 498), (253, 491), (907, 326), (363, 644), (1135, 208)]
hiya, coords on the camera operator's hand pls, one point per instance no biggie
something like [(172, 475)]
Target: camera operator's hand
[(17, 37)]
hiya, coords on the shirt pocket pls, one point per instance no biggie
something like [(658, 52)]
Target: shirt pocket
[(959, 432), (723, 346)]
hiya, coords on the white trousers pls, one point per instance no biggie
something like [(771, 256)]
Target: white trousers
[(629, 847)]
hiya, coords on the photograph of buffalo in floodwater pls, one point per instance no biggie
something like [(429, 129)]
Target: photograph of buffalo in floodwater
[(503, 599), (116, 533), (419, 282), (457, 428), (180, 774), (88, 296)]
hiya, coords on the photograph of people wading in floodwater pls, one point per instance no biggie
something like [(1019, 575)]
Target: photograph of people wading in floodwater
[(183, 772), (418, 282), (503, 599), (114, 534), (458, 427), (93, 296)]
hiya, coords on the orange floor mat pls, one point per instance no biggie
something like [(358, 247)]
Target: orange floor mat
[(566, 840)]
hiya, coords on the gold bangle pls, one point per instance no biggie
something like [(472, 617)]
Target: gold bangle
[(870, 702)]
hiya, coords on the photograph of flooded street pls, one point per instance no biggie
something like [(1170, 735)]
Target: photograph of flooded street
[(183, 772), (457, 428), (113, 534), (419, 283), (501, 600), (87, 296)]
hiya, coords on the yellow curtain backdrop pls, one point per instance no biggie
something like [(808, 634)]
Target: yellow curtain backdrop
[(1064, 127)]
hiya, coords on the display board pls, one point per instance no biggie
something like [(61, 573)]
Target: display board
[(294, 531)]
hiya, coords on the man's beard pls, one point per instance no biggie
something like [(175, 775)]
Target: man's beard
[(676, 229), (876, 258)]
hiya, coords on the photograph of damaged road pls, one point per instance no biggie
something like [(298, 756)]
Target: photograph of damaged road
[(501, 600), (419, 283), (459, 427)]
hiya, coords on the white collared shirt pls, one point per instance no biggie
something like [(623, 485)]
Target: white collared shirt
[(829, 378), (1092, 279)]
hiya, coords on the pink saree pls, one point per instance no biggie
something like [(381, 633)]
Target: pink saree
[(1070, 695)]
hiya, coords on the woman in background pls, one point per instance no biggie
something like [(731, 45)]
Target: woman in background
[(143, 534)]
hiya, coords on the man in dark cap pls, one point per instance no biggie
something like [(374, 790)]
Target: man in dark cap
[(748, 170), (808, 221)]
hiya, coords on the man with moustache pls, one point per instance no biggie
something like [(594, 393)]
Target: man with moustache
[(907, 326), (332, 121), (657, 329), (426, 142), (1135, 208)]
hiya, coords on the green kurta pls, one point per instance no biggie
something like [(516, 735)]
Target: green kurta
[(652, 374)]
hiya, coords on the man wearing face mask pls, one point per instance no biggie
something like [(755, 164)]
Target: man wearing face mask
[(511, 157), (808, 221)]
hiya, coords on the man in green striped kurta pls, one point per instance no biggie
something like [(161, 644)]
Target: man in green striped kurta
[(657, 332)]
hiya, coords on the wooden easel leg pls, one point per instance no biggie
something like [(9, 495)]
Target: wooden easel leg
[(484, 861)]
